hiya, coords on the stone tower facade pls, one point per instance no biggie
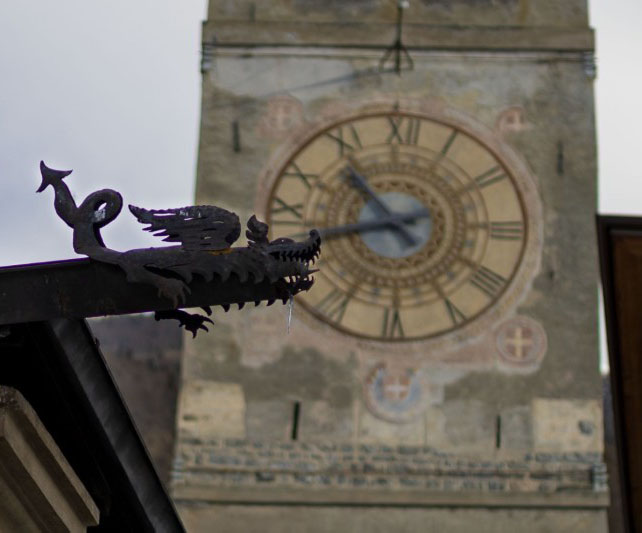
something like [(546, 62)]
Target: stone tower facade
[(442, 374)]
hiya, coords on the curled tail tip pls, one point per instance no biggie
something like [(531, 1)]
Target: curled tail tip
[(50, 176)]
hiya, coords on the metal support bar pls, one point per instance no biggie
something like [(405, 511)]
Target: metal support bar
[(85, 288), (397, 48)]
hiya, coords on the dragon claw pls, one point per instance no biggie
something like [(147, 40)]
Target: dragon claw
[(190, 321), (195, 322)]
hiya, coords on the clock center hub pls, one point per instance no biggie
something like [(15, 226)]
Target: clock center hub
[(404, 237)]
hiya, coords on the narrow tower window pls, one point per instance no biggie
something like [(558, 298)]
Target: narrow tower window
[(236, 136), (295, 420)]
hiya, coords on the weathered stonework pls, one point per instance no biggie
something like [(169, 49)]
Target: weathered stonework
[(39, 490), (355, 472), (503, 414)]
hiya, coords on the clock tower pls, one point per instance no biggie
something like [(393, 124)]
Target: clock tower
[(442, 372)]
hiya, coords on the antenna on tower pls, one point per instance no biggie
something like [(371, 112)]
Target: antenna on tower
[(397, 50)]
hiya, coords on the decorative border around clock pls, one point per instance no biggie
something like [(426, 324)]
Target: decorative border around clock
[(437, 111)]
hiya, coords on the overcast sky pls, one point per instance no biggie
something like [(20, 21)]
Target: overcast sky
[(108, 88), (112, 90)]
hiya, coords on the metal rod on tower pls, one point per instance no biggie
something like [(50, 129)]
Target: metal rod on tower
[(398, 48)]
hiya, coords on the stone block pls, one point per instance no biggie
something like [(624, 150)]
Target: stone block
[(372, 429), (470, 426), (320, 421), (567, 425), (516, 432), (211, 409), (39, 490), (269, 419)]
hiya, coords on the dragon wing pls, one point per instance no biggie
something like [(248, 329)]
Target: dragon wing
[(199, 227)]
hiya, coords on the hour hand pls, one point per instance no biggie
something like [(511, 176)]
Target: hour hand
[(360, 182), (372, 225)]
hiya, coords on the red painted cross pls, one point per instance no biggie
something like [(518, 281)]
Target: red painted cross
[(521, 341), (396, 387)]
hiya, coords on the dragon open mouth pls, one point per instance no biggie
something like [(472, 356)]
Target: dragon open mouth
[(296, 258)]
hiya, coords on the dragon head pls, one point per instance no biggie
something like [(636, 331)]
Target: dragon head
[(289, 259), (291, 250), (296, 257)]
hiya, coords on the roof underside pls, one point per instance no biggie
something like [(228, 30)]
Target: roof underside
[(59, 369)]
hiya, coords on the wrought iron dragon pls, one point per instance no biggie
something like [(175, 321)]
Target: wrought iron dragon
[(205, 233)]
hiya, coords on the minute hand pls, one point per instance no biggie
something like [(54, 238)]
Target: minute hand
[(360, 182), (370, 225)]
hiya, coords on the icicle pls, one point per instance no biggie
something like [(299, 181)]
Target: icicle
[(290, 306)]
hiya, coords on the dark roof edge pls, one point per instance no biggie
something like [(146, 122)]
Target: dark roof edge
[(609, 227), (101, 400)]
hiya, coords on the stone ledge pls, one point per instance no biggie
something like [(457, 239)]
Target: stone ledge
[(356, 497), (35, 470), (219, 469), (382, 35)]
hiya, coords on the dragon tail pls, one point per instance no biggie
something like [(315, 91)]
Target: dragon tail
[(50, 176)]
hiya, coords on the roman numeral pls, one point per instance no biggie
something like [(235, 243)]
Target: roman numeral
[(343, 144), (456, 316), (404, 130), (333, 305), (391, 326), (512, 230), (449, 142), (507, 231), (489, 177), (281, 206), (294, 171), (488, 281)]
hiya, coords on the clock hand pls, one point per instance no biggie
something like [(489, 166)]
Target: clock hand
[(370, 225), (360, 182)]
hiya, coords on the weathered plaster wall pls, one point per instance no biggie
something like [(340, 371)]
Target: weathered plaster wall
[(476, 403), (557, 142), (460, 12)]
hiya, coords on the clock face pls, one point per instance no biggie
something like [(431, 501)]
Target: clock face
[(423, 227)]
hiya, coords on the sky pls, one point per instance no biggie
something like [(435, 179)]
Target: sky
[(618, 103), (110, 89)]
